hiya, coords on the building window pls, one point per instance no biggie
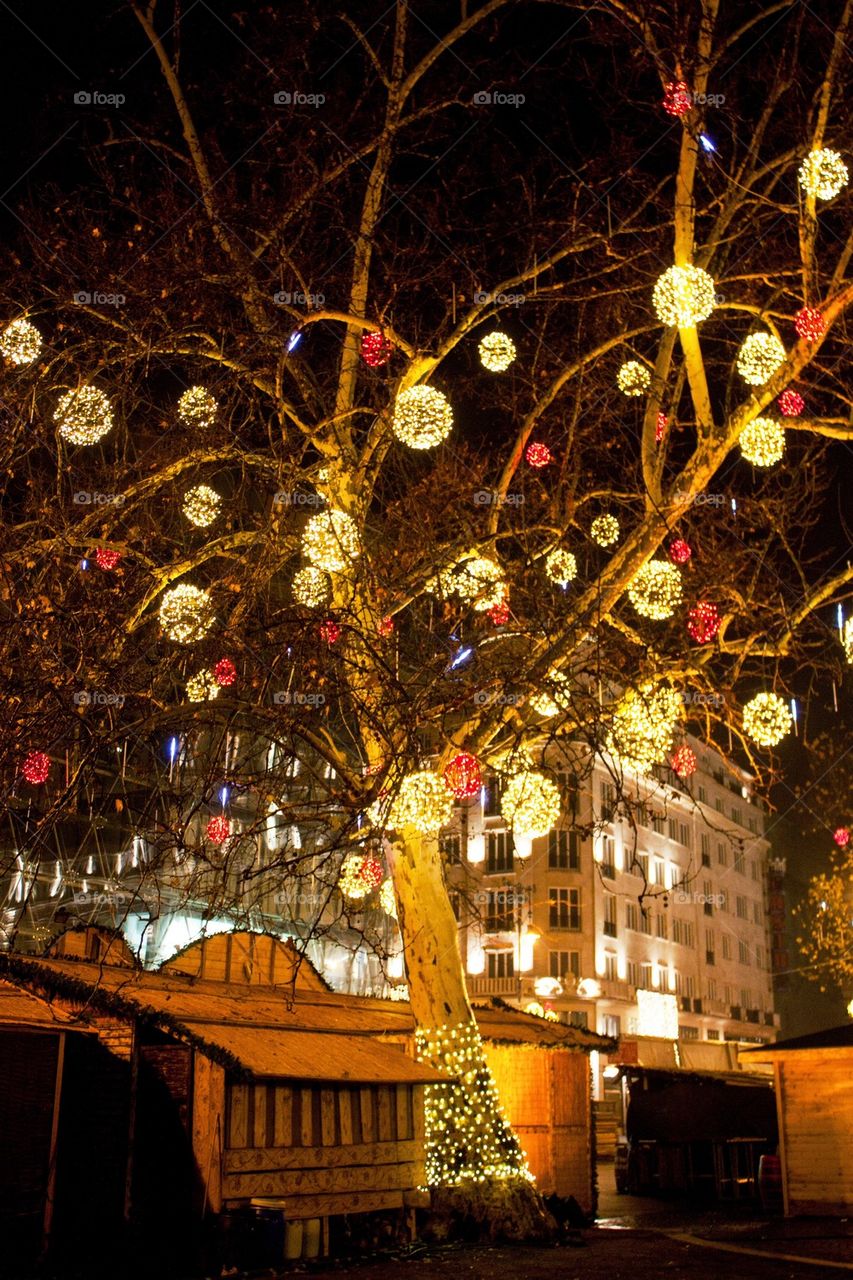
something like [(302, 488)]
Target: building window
[(737, 816), (659, 872), (710, 947), (727, 947), (663, 977), (579, 1018), (713, 1034), (703, 795), (500, 964), (631, 915), (673, 828), (705, 844), (564, 908), (498, 852), (658, 822), (562, 964), (756, 912), (682, 932), (610, 915), (719, 806), (611, 1025), (608, 857), (662, 929), (722, 854), (611, 972), (643, 861), (564, 851), (684, 834), (499, 911), (645, 922), (491, 794), (608, 801), (456, 905), (646, 977), (708, 895), (451, 848), (633, 973), (741, 908), (688, 1033), (712, 988), (743, 951), (753, 869), (688, 985)]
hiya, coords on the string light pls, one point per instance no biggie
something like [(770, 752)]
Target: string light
[(550, 702), (810, 324), (759, 357), (388, 899), (424, 802), (823, 173), (353, 882), (203, 686), (633, 379), (20, 342), (311, 587), (703, 621), (561, 566), (538, 455), (660, 427), (330, 631), (679, 551), (684, 762), (497, 351), (530, 804), (386, 627), (683, 296), (375, 349), (225, 673), (84, 416), (201, 505), (36, 767), (791, 404), (186, 613), (197, 407), (841, 836), (422, 417), (330, 540), (847, 640), (480, 581), (656, 590), (766, 719), (105, 558), (218, 830), (643, 725), (677, 98), (468, 1137), (535, 1009), (604, 530), (463, 776), (762, 442)]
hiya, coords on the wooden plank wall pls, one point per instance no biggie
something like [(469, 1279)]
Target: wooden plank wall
[(354, 1147), (815, 1101)]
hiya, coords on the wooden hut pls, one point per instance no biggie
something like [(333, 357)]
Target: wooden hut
[(814, 1102)]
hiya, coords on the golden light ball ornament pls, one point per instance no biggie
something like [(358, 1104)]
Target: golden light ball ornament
[(203, 686), (762, 442), (683, 296), (554, 698), (311, 587), (331, 541), (530, 804), (759, 357), (197, 407), (633, 378), (497, 351), (604, 530), (656, 590), (823, 173), (84, 416), (353, 881), (479, 580), (561, 566), (422, 417), (424, 801), (643, 725), (186, 613), (201, 505), (847, 640), (20, 342), (766, 719)]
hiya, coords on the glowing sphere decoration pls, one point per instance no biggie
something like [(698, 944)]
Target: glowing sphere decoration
[(422, 417), (479, 580), (330, 631), (633, 379), (656, 590), (197, 407), (643, 726), (660, 427), (554, 698), (538, 455), (311, 587), (20, 342), (561, 566), (791, 404), (201, 505), (36, 767), (203, 686), (683, 296), (823, 174), (330, 540), (497, 351), (604, 530), (530, 804), (703, 621), (84, 416), (360, 874), (677, 98), (225, 673), (841, 836), (759, 357), (375, 349), (766, 719), (388, 899), (847, 640), (684, 762), (106, 558), (218, 830), (762, 442), (387, 627), (424, 802), (463, 776), (680, 551), (186, 613), (499, 614), (810, 324)]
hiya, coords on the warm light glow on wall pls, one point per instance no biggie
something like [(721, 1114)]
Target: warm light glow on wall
[(476, 963), (476, 849)]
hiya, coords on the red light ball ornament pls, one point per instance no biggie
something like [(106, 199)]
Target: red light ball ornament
[(684, 762), (703, 622), (499, 614), (679, 551), (463, 776), (375, 349), (810, 324), (660, 427), (329, 631), (841, 836), (36, 767), (371, 874), (791, 404), (106, 559), (677, 98), (538, 455), (386, 626), (225, 673), (218, 830)]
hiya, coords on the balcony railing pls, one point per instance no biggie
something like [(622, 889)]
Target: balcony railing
[(480, 986)]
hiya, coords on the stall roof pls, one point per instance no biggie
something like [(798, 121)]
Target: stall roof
[(21, 1009), (835, 1038)]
